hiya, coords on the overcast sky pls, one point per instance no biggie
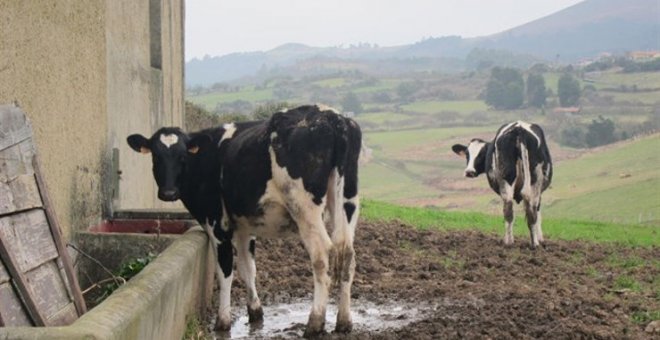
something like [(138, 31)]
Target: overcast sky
[(219, 27)]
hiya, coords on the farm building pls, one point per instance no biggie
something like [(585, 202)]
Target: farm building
[(87, 74)]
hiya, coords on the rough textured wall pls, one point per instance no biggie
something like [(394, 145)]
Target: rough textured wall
[(142, 98), (52, 62), (173, 60)]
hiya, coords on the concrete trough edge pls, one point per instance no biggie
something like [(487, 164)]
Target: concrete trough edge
[(152, 305)]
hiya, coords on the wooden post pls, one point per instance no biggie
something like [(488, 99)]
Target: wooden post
[(20, 283), (78, 299)]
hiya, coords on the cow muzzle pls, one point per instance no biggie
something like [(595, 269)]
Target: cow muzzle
[(168, 195), (470, 173)]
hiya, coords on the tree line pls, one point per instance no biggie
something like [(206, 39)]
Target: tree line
[(507, 90)]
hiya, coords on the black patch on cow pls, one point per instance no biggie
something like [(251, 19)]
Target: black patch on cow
[(252, 248), (226, 257), (349, 208)]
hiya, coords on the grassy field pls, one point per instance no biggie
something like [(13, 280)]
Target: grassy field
[(553, 228), (248, 94), (618, 183), (465, 106)]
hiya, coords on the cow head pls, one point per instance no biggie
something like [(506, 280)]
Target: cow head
[(475, 154), (171, 150)]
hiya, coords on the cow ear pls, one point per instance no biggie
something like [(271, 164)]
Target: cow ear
[(197, 142), (138, 143), (459, 149)]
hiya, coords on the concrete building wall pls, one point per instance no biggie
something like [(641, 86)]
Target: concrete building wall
[(52, 63), (82, 71)]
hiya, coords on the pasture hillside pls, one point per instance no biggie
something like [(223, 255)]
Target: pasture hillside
[(410, 122), (617, 183)]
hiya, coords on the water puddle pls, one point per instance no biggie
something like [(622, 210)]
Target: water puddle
[(288, 320)]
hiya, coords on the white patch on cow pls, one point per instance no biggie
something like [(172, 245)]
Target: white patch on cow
[(230, 129), (537, 227), (284, 110), (528, 128), (508, 233), (224, 310), (309, 218), (323, 107), (273, 136), (503, 131), (246, 266), (169, 140), (473, 151), (527, 190)]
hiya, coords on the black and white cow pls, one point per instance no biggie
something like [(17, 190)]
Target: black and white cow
[(518, 167), (288, 174)]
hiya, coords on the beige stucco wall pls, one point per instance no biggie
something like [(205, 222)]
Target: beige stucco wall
[(81, 70), (52, 62)]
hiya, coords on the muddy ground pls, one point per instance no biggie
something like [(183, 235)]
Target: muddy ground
[(475, 287)]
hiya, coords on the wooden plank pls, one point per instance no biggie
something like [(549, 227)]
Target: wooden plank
[(22, 286), (59, 243), (19, 194), (28, 239), (15, 126), (11, 309), (48, 289), (16, 160), (4, 276), (65, 316)]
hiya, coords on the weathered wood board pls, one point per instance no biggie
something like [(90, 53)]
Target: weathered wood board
[(37, 283)]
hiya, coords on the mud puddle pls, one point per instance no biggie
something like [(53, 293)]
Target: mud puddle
[(288, 320)]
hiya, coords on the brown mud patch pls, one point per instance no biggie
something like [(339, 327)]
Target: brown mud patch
[(469, 285)]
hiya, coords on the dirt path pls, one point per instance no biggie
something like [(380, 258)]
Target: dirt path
[(475, 287)]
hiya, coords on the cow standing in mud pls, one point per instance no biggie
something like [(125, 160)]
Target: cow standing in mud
[(285, 175), (518, 167)]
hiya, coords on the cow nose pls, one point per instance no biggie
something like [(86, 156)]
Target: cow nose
[(471, 174), (168, 195)]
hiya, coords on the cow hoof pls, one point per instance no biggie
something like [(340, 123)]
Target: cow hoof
[(222, 325), (255, 315), (315, 326), (311, 334), (344, 327)]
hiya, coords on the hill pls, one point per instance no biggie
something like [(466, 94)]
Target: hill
[(585, 29), (580, 31)]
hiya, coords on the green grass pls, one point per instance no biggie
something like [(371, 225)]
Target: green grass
[(464, 106), (616, 79), (381, 118), (642, 317), (383, 85), (592, 186), (424, 218), (393, 142), (249, 94), (626, 282), (331, 82)]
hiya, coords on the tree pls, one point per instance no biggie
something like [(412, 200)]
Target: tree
[(573, 136), (536, 90), (351, 103), (568, 89), (505, 88), (264, 111), (600, 132)]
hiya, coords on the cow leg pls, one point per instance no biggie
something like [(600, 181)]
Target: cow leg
[(318, 245), (247, 269), (343, 219), (225, 276), (342, 238), (531, 216), (508, 222), (539, 231)]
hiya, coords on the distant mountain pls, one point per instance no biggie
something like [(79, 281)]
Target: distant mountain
[(580, 31), (584, 30)]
